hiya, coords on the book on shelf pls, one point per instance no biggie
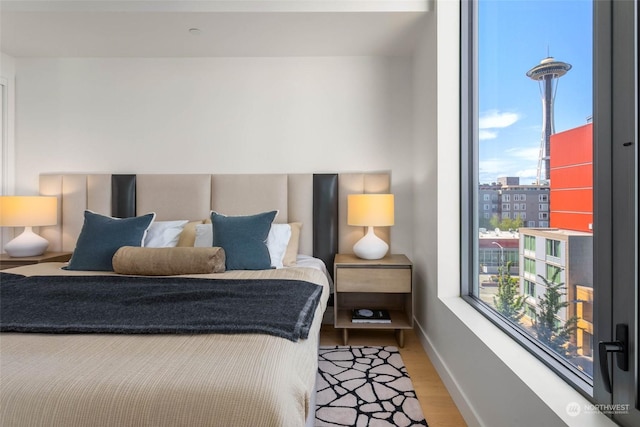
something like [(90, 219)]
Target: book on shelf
[(366, 315)]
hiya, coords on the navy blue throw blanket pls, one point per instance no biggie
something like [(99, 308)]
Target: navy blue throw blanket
[(158, 305)]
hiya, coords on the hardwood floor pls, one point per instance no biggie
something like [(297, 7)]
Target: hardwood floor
[(437, 405)]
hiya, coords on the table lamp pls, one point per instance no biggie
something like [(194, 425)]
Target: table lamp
[(370, 210), (27, 212)]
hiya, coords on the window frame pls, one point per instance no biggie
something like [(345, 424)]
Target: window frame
[(469, 197)]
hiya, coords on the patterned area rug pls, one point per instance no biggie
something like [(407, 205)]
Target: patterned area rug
[(365, 386)]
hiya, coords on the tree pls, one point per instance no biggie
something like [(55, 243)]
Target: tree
[(508, 301), (506, 223), (547, 327)]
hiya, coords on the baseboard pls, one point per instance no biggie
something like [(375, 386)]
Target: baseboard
[(457, 394)]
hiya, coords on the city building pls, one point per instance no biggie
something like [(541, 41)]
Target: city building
[(571, 204), (498, 248), (507, 199), (559, 256)]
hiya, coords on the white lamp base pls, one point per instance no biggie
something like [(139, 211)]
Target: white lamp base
[(370, 246), (26, 244)]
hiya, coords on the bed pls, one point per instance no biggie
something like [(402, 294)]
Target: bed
[(174, 379)]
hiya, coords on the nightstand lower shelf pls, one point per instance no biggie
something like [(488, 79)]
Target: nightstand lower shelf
[(399, 322)]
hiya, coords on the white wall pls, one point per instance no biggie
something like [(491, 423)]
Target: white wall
[(493, 380), (217, 115), (7, 74), (7, 155)]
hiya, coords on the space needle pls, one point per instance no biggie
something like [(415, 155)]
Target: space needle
[(547, 74)]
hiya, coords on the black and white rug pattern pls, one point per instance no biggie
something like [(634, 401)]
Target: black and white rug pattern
[(365, 387)]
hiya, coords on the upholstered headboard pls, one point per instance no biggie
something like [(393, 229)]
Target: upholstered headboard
[(318, 201)]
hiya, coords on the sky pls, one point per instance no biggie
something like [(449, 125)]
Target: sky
[(514, 36)]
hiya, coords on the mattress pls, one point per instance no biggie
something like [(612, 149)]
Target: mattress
[(160, 380)]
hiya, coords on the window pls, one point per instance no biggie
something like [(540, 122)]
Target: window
[(507, 132), (530, 288), (530, 243), (553, 274), (553, 248), (486, 207), (487, 197), (530, 266)]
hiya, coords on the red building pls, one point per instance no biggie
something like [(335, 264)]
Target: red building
[(571, 167)]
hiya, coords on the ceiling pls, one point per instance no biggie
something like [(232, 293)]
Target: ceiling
[(160, 28)]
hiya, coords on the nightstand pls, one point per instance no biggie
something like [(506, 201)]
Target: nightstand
[(9, 262), (376, 284)]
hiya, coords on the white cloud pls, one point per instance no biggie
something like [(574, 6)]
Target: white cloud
[(494, 119), (524, 168), (484, 134), (493, 167), (527, 176), (526, 153)]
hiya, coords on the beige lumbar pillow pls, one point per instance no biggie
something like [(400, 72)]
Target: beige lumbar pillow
[(168, 261), (291, 253), (188, 235)]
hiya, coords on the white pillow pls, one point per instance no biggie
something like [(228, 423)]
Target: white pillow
[(277, 242), (164, 234), (204, 236)]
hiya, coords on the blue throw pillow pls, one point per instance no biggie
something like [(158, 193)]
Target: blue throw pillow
[(244, 239), (101, 236)]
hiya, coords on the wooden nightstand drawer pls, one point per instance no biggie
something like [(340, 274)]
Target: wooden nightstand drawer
[(384, 280)]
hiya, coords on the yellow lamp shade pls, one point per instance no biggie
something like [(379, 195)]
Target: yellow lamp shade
[(370, 210), (28, 211)]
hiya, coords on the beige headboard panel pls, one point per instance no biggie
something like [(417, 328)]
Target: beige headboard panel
[(193, 196), (166, 196)]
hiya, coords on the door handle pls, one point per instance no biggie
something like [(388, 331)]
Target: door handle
[(619, 346)]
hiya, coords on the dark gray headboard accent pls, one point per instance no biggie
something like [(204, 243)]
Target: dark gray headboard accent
[(123, 196), (325, 218)]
